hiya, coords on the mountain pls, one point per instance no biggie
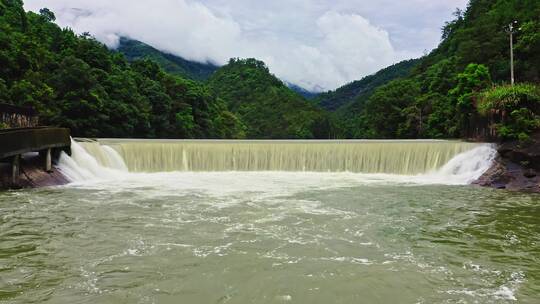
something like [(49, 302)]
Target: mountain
[(450, 92), (269, 109), (360, 90), (457, 91), (303, 92), (76, 82), (134, 50)]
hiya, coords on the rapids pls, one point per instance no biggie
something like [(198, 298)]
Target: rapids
[(249, 222)]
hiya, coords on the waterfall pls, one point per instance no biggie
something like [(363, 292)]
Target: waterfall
[(454, 161), (89, 161), (392, 157)]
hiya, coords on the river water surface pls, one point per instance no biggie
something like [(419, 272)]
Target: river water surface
[(268, 237)]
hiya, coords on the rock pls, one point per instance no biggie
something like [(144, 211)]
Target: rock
[(517, 168), (527, 155)]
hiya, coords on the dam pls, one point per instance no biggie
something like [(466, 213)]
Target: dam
[(356, 156)]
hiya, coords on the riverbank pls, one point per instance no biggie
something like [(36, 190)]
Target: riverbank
[(517, 167)]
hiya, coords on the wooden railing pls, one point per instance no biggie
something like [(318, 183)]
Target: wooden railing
[(17, 117)]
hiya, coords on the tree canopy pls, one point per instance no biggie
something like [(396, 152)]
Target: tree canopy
[(267, 107), (76, 82), (439, 97)]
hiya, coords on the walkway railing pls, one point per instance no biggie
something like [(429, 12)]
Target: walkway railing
[(20, 134), (17, 117)]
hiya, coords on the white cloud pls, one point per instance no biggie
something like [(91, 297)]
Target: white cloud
[(318, 45)]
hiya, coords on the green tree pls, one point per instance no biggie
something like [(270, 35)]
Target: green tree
[(527, 51), (473, 80), (384, 113), (47, 14), (76, 82), (267, 107)]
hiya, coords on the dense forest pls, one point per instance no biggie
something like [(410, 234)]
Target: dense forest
[(267, 107), (460, 89), (348, 95), (76, 82), (450, 93), (347, 102), (265, 104)]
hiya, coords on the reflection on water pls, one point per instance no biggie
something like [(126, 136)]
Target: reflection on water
[(268, 238)]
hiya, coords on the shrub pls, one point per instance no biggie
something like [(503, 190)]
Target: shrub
[(520, 103)]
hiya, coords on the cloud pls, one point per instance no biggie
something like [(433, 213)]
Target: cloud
[(348, 46), (318, 45)]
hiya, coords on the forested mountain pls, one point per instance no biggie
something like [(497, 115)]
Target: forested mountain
[(358, 91), (265, 104), (303, 92), (76, 82), (136, 50), (444, 95), (458, 90)]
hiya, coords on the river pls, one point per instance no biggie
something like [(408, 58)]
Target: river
[(270, 222)]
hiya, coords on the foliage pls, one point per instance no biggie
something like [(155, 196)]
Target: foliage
[(470, 83), (519, 107), (269, 109), (347, 96), (76, 82), (386, 111), (473, 54), (528, 50)]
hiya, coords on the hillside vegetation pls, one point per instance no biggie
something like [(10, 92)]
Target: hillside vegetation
[(352, 95), (459, 90), (76, 82), (135, 50), (439, 99), (265, 104)]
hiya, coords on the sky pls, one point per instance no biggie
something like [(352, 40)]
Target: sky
[(318, 45)]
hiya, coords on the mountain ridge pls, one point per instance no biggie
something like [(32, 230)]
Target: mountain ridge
[(342, 96), (268, 107), (176, 65)]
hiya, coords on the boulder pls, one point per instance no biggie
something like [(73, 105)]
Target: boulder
[(517, 167)]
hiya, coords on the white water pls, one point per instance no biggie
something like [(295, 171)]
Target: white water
[(81, 166), (403, 157), (96, 162), (272, 236)]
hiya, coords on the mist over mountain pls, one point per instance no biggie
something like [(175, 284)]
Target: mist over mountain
[(137, 50), (318, 46)]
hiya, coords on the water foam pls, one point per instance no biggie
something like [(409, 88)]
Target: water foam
[(402, 157), (96, 162), (81, 166)]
